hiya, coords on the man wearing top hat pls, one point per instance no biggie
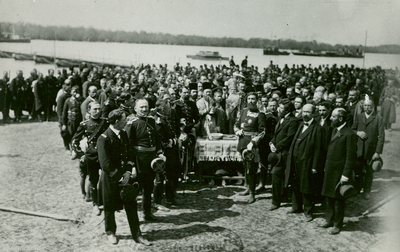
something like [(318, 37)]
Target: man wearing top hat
[(341, 159), (250, 128), (146, 146), (371, 137)]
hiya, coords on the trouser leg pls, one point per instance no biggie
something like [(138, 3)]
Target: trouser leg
[(308, 203), (277, 182), (339, 213), (109, 222), (147, 188), (368, 178), (133, 219), (93, 168), (158, 188), (330, 210)]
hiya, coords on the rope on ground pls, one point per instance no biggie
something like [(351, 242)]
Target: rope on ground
[(38, 214)]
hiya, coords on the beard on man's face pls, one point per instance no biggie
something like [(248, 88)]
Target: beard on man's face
[(252, 106)]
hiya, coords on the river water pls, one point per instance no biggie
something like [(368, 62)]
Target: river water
[(133, 54)]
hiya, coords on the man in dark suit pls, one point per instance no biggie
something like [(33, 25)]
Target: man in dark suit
[(340, 162), (303, 163), (280, 143), (371, 136), (118, 169)]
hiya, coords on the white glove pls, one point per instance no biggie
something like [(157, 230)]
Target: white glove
[(344, 179), (162, 157), (239, 133), (134, 173), (250, 146), (272, 147)]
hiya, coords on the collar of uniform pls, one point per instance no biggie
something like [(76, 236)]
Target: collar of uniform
[(115, 131)]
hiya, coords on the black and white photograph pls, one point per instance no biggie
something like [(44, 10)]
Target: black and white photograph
[(188, 125)]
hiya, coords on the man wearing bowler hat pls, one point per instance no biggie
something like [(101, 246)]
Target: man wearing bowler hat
[(371, 136), (341, 159)]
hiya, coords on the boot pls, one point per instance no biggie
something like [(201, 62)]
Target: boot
[(88, 193), (251, 181), (82, 184)]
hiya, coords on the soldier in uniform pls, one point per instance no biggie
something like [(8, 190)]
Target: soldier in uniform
[(168, 130), (188, 116), (250, 128), (146, 145), (91, 129), (3, 96), (72, 114), (17, 88)]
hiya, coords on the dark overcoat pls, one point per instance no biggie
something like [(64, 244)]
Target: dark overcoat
[(284, 133), (341, 159), (375, 130), (113, 155), (306, 147)]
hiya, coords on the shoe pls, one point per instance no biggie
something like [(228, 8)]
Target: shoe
[(112, 239), (273, 207), (366, 195), (260, 188), (334, 231), (96, 210), (251, 198), (161, 208), (245, 193), (291, 211), (142, 240), (309, 218), (326, 225), (88, 199), (151, 218)]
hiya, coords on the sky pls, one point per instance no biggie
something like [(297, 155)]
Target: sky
[(327, 21)]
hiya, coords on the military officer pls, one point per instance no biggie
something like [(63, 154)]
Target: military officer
[(91, 129), (250, 128), (146, 145)]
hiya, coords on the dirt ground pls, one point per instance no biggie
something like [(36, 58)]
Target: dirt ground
[(37, 174)]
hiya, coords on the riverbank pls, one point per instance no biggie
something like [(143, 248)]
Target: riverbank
[(37, 174)]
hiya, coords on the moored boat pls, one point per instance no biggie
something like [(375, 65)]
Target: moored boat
[(23, 56), (41, 59), (207, 55), (274, 51), (4, 54)]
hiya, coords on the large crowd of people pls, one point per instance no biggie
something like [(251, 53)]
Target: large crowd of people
[(316, 132)]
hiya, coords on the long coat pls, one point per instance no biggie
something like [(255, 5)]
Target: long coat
[(373, 126), (306, 149), (113, 155), (340, 160), (284, 133)]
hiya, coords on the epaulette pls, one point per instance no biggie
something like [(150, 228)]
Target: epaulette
[(103, 135), (131, 118), (84, 122), (178, 102)]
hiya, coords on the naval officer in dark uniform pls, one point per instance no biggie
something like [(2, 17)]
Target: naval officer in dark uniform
[(118, 169), (146, 145), (250, 128)]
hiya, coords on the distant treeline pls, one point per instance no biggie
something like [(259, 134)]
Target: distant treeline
[(68, 33)]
